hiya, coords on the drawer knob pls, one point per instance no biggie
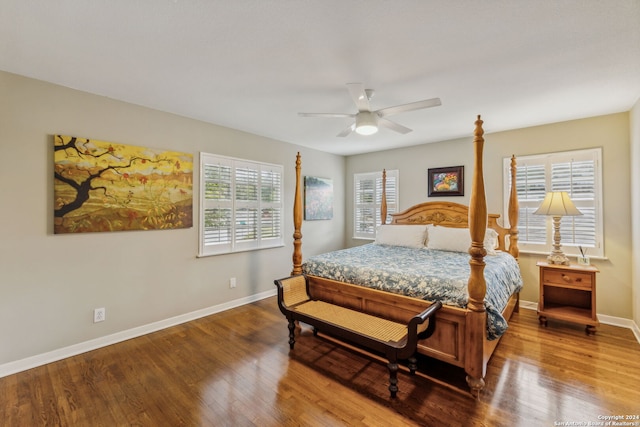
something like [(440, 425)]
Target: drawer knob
[(566, 278)]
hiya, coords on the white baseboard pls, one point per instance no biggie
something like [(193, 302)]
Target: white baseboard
[(607, 320), (73, 350), (636, 331), (528, 305)]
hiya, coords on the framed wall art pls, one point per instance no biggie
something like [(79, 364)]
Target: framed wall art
[(107, 186), (448, 181), (318, 198)]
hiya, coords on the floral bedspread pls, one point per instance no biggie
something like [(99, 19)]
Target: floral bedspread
[(423, 273)]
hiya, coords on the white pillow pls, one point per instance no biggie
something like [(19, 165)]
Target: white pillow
[(448, 239), (411, 236), (458, 239)]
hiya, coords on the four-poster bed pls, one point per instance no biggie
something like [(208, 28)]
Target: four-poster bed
[(460, 337)]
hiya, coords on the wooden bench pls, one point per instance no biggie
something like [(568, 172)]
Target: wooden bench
[(395, 340)]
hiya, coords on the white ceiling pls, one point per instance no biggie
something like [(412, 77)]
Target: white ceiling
[(254, 64)]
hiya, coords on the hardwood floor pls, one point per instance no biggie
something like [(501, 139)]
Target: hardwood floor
[(235, 369)]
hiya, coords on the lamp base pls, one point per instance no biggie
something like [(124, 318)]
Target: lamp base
[(558, 258)]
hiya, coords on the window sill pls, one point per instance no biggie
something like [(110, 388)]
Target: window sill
[(600, 258), (239, 251)]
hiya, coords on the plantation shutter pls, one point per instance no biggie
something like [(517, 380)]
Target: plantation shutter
[(530, 183), (368, 199), (365, 206), (576, 172), (392, 196), (218, 204), (577, 178), (271, 203), (242, 205), (246, 206)]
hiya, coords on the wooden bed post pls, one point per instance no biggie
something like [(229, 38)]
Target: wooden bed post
[(297, 222), (383, 200), (513, 212), (477, 285)]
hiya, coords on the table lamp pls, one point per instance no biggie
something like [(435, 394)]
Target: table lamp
[(557, 204)]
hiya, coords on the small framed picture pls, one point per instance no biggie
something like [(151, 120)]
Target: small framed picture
[(583, 260), (447, 181)]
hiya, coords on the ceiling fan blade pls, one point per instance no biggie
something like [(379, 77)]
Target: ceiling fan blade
[(393, 126), (359, 96), (347, 131), (325, 115), (427, 103)]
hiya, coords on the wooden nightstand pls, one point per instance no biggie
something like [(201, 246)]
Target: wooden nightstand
[(568, 292)]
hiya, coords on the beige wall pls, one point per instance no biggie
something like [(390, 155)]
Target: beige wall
[(610, 132), (635, 208), (50, 284)]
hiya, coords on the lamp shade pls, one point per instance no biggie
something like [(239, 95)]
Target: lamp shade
[(366, 123), (557, 203)]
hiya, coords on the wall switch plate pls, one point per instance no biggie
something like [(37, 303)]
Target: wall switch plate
[(99, 315), (232, 282)]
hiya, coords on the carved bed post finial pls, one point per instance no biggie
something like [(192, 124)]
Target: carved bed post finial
[(297, 222), (513, 212), (383, 200)]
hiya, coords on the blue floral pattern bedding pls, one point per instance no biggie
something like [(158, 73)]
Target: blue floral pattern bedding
[(423, 273)]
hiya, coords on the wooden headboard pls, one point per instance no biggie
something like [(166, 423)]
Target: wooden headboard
[(447, 214)]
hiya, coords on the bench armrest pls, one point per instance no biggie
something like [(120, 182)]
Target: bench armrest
[(428, 312), (292, 290), (421, 318)]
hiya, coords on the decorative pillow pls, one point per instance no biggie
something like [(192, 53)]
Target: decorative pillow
[(411, 236), (458, 239), (491, 241)]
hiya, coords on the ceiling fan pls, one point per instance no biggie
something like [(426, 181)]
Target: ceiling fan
[(366, 121)]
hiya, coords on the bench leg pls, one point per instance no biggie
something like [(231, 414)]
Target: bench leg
[(413, 365), (393, 377), (292, 328)]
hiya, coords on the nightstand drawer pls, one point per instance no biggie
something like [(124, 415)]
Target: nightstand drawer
[(566, 278)]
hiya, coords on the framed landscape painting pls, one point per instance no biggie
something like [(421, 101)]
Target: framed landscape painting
[(106, 186), (447, 181), (318, 198)]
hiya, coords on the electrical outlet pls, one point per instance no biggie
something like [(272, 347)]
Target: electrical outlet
[(99, 315), (232, 282)]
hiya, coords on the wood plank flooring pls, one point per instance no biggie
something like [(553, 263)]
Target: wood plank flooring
[(235, 369)]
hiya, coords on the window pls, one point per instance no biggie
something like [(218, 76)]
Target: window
[(367, 188), (241, 205), (576, 172)]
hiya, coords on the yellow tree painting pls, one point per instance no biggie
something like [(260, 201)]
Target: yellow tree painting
[(105, 186)]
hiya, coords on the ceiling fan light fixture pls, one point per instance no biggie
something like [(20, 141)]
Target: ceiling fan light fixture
[(366, 123)]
